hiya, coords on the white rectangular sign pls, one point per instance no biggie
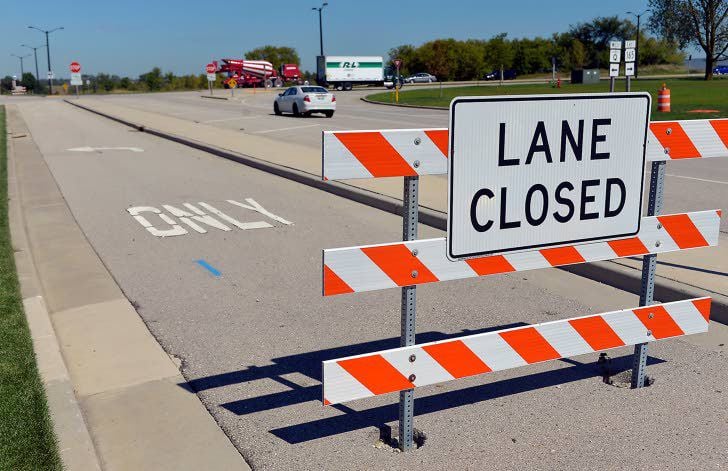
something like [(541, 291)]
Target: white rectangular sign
[(615, 55), (76, 78), (630, 55), (630, 44), (629, 69), (211, 77), (50, 75), (614, 70), (537, 171), (615, 44)]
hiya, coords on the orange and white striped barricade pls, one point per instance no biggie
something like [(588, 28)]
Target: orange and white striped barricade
[(413, 152), (398, 369), (410, 153)]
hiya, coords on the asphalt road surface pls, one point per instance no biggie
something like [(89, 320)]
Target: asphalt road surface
[(693, 185), (242, 309)]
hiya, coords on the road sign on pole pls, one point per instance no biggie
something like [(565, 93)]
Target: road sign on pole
[(76, 78), (613, 72), (210, 68), (544, 170)]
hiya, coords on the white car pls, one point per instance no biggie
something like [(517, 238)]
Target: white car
[(304, 100)]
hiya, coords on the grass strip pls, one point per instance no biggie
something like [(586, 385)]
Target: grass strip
[(687, 95), (26, 431)]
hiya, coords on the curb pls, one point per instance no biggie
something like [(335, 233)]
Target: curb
[(422, 107), (210, 97), (609, 273), (75, 445)]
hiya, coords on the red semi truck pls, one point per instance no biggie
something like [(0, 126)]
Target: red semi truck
[(254, 73)]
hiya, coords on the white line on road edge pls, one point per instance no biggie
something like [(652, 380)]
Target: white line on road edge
[(285, 129), (698, 179), (97, 149)]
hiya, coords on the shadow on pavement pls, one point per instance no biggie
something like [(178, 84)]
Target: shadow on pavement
[(309, 364), (379, 416)]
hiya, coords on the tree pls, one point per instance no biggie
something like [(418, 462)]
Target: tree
[(698, 22), (152, 79), (276, 55), (29, 82)]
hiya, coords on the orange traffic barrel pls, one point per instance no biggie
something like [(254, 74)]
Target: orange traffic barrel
[(663, 99)]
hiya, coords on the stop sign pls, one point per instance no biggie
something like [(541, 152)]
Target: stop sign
[(210, 68), (75, 67)]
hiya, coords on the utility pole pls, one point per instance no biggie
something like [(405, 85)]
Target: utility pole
[(35, 55), (22, 70), (321, 28), (48, 54), (637, 44)]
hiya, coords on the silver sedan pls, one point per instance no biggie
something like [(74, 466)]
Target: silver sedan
[(304, 100)]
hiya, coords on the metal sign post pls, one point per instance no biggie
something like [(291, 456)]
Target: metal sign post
[(630, 56), (615, 53), (410, 211), (649, 266)]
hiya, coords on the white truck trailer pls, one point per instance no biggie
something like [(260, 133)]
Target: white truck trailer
[(343, 72)]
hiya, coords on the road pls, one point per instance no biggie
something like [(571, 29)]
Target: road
[(690, 185), (242, 310)]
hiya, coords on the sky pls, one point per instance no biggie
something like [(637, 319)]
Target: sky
[(130, 37)]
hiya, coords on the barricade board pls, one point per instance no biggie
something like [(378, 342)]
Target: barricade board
[(387, 371)]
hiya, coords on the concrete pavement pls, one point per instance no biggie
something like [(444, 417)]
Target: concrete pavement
[(250, 328), (691, 185), (114, 394)]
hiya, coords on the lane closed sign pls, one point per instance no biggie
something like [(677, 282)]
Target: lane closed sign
[(542, 171)]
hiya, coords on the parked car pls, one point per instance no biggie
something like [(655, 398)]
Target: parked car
[(721, 70), (508, 74), (422, 77), (304, 100)]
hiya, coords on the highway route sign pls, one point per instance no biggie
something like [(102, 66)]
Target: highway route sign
[(537, 171), (630, 55), (630, 44), (629, 69), (615, 55), (51, 76), (615, 44), (614, 70)]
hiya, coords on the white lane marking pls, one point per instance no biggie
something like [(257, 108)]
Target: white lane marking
[(285, 129), (260, 209), (174, 231), (184, 217), (698, 179), (235, 222), (228, 119), (96, 149)]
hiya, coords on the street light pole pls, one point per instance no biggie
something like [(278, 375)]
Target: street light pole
[(637, 42), (22, 69), (48, 54), (35, 55), (321, 29)]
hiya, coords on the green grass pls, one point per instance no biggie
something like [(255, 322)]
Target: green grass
[(26, 432), (685, 95)]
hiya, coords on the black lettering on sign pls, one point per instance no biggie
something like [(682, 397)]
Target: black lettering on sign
[(502, 161), (564, 201), (576, 144), (504, 224), (474, 210), (544, 197), (539, 135), (585, 199), (608, 212), (597, 138)]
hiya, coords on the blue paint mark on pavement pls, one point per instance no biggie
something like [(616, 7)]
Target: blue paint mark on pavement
[(208, 267)]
